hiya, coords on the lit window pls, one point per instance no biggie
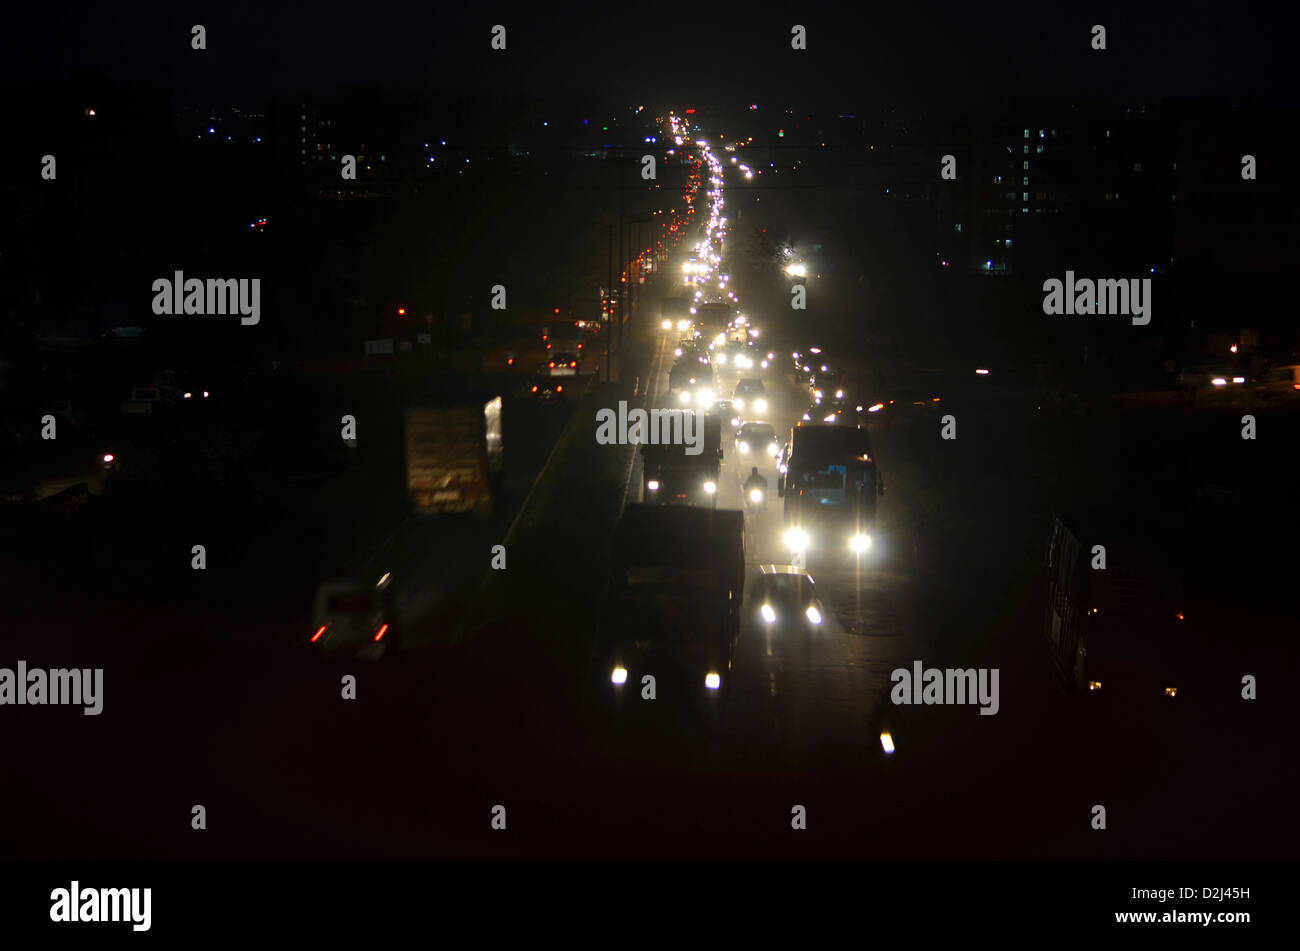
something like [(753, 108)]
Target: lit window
[(1026, 150), (957, 226), (1026, 166), (1008, 242), (1040, 150), (1025, 180), (1026, 133), (1024, 196)]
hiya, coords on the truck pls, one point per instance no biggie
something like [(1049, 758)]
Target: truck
[(675, 314), (672, 604), (670, 475), (713, 319), (454, 455), (829, 479), (1124, 632)]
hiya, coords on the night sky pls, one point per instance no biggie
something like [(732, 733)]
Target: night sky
[(952, 57)]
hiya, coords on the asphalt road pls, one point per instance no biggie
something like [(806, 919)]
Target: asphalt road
[(212, 700)]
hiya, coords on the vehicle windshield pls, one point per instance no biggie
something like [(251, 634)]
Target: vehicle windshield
[(350, 602), (758, 433)]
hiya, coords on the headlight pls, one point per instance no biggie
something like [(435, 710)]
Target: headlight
[(1238, 379), (860, 543), (743, 446), (755, 495), (764, 364), (768, 614), (817, 395), (796, 540), (619, 675), (774, 450), (685, 396), (829, 419), (722, 358), (653, 485), (1219, 381), (683, 325), (667, 325), (108, 457), (760, 406), (710, 487), (704, 397), (814, 615), (713, 681), (738, 403), (839, 394)]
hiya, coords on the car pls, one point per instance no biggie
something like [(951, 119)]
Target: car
[(727, 413), (544, 389), (563, 364), (785, 598), (751, 395), (757, 439), (355, 617), (1203, 378), (1279, 381), (182, 387)]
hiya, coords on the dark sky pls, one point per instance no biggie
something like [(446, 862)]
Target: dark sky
[(941, 55)]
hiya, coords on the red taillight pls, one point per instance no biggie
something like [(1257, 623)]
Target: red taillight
[(579, 346), (548, 346), (380, 633), (559, 389), (534, 388), (552, 364), (315, 637), (1295, 386), (573, 363)]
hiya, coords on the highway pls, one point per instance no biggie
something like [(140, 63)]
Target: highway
[(486, 702)]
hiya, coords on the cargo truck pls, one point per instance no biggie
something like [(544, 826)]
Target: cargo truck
[(454, 456), (829, 480), (672, 606), (672, 475), (1124, 632)]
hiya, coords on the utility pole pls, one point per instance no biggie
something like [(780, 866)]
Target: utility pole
[(622, 294), (607, 304)]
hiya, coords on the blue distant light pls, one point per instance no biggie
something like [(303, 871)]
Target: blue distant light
[(211, 129)]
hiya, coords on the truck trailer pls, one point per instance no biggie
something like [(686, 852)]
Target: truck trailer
[(454, 456)]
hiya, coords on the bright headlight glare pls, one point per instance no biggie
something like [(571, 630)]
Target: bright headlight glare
[(618, 676), (796, 540), (713, 681), (756, 495), (768, 614), (667, 325), (760, 406), (859, 542), (743, 446), (738, 403), (710, 487), (813, 614), (653, 485), (685, 396)]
